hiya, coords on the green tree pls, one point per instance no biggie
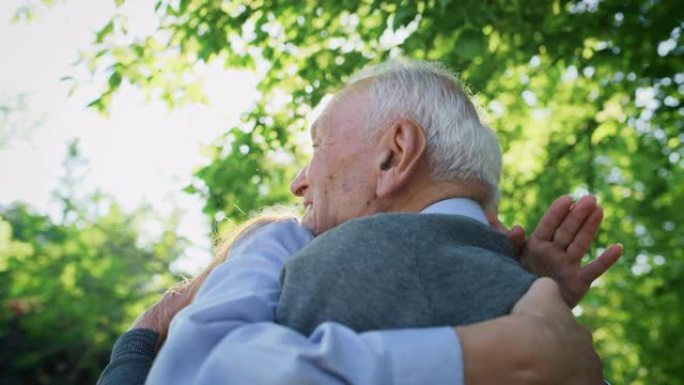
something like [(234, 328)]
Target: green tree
[(15, 122), (69, 287), (585, 95)]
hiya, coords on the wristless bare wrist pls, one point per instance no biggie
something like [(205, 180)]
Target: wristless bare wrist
[(498, 351)]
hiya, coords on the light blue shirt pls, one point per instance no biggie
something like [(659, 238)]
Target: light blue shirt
[(228, 335), (458, 206)]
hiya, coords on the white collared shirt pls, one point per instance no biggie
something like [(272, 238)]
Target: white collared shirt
[(458, 206)]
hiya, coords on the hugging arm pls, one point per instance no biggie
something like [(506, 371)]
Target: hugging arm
[(538, 343), (134, 351), (131, 358), (228, 336)]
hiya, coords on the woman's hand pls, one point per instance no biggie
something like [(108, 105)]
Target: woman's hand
[(540, 342), (556, 247), (563, 236), (158, 317)]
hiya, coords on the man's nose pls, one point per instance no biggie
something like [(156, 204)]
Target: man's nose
[(299, 184)]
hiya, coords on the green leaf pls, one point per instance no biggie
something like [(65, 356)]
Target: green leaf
[(444, 3), (470, 44), (183, 6), (104, 32), (405, 14), (97, 104), (114, 80)]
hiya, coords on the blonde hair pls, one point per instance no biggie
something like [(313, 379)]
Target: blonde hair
[(189, 287), (224, 243)]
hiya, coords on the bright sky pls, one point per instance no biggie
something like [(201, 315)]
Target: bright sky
[(142, 153)]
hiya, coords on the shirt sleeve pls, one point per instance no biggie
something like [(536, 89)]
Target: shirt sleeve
[(227, 335), (131, 358)]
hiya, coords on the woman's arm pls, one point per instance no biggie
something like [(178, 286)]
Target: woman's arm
[(131, 358), (227, 334), (134, 351), (242, 337), (539, 343)]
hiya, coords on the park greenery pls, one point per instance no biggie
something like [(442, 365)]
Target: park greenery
[(585, 96), (72, 282)]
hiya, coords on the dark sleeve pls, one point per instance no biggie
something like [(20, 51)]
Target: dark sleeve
[(132, 358)]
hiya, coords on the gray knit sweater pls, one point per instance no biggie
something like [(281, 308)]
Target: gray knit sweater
[(401, 270)]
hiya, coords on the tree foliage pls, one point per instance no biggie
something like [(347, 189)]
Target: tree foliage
[(14, 120), (69, 288), (584, 95)]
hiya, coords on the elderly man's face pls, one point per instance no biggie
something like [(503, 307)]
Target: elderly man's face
[(339, 182)]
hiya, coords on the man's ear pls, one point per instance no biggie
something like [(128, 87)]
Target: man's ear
[(403, 149)]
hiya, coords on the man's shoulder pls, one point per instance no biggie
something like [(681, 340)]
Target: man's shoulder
[(408, 234), (408, 221), (412, 227)]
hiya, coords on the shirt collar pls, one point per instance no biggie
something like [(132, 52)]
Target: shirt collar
[(458, 206)]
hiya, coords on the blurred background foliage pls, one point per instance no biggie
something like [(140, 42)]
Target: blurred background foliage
[(69, 287), (586, 96)]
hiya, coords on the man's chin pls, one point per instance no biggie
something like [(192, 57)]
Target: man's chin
[(309, 224)]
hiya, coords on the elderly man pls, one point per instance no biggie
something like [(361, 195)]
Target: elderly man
[(402, 137), (378, 151)]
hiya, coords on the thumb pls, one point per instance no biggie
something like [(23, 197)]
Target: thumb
[(517, 238), (496, 224), (543, 293)]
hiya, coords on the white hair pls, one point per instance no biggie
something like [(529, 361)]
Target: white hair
[(460, 147)]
